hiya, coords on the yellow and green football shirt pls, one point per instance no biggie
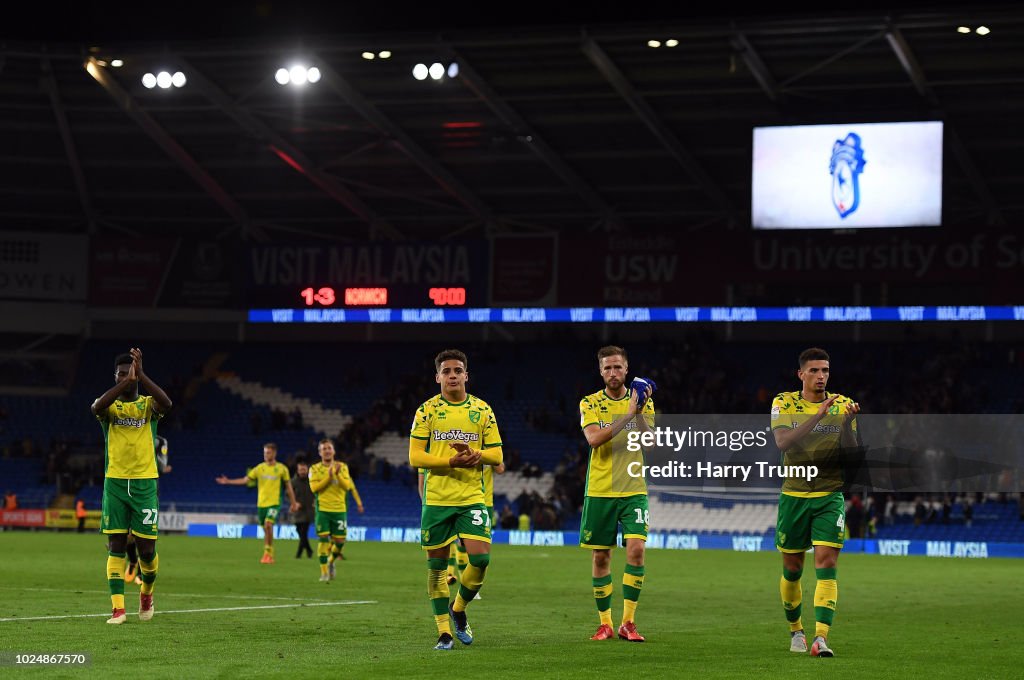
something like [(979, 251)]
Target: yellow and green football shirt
[(269, 479), (441, 422), (334, 496), (129, 428), (821, 447), (607, 469)]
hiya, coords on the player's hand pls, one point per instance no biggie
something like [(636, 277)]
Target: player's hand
[(137, 361), (167, 469), (851, 411), (294, 507), (223, 479), (465, 456), (464, 448), (826, 405), (634, 399), (360, 508), (464, 460), (335, 469)]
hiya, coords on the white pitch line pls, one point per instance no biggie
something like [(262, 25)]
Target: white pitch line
[(166, 593), (192, 611)]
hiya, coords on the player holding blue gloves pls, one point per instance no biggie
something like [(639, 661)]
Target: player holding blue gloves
[(644, 388), (613, 495)]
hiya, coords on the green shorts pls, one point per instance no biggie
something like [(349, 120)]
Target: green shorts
[(333, 524), (602, 516), (268, 514), (442, 524), (130, 505), (804, 522)]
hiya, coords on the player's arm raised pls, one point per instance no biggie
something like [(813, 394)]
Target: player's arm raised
[(645, 418), (848, 436), (103, 402), (161, 398), (236, 481), (318, 484), (787, 437), (597, 435)]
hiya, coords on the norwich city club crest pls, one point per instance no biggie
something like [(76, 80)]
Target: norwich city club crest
[(587, 535), (474, 416), (426, 536)]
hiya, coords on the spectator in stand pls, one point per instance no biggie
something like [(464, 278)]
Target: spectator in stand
[(524, 521), (278, 419), (10, 500), (507, 520)]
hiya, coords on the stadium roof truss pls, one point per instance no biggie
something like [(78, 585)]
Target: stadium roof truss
[(557, 128)]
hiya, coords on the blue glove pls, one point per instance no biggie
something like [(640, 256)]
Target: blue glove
[(640, 385)]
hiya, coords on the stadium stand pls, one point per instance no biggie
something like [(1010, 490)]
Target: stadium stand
[(232, 399)]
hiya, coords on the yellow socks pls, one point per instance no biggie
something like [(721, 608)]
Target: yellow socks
[(115, 578)]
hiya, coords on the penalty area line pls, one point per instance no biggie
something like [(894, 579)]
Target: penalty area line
[(192, 611)]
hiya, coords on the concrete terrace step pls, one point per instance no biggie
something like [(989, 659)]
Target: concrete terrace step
[(326, 421)]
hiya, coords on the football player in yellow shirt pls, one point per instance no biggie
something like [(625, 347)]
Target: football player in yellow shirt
[(130, 501), (453, 434), (269, 475), (812, 426), (330, 481), (613, 496)]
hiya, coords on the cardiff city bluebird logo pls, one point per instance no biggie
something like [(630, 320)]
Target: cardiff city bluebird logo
[(846, 166)]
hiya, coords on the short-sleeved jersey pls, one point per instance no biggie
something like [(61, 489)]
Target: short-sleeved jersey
[(269, 479), (333, 497), (129, 428), (441, 422), (820, 447), (607, 468)]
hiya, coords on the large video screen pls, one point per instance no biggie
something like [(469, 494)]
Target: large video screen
[(852, 176)]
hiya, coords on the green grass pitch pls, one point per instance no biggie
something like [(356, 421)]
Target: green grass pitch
[(711, 614)]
